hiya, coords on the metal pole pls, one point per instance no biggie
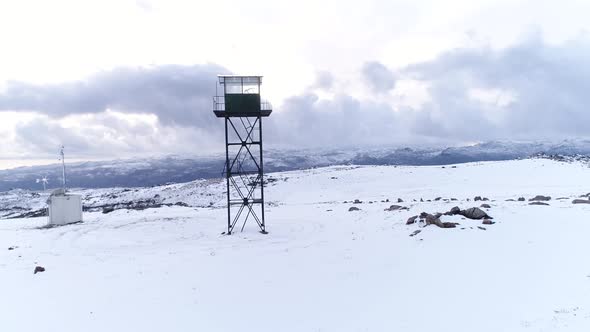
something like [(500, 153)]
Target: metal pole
[(227, 175), (63, 164), (261, 169)]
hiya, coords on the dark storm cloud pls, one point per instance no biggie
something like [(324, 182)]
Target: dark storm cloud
[(549, 83), (178, 95), (379, 77)]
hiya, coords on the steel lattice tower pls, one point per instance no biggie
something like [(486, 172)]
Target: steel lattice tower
[(243, 110)]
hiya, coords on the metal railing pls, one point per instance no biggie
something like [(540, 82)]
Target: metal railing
[(219, 104)]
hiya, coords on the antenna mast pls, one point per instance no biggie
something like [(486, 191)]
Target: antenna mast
[(63, 164)]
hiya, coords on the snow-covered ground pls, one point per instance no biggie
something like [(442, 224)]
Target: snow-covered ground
[(321, 268)]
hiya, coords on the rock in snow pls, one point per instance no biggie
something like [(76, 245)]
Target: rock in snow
[(474, 213), (581, 201), (539, 198), (416, 232), (538, 203), (396, 207), (455, 210)]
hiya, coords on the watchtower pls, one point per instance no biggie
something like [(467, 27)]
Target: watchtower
[(243, 109)]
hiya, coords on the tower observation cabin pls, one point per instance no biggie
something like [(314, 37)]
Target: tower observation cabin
[(241, 97), (239, 103)]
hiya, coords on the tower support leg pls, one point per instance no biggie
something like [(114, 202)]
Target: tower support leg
[(244, 172)]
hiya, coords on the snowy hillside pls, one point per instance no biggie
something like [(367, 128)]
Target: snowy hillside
[(322, 267)]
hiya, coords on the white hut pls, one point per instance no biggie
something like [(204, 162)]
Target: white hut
[(64, 208)]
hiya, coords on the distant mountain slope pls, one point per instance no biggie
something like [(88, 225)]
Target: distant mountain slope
[(177, 169)]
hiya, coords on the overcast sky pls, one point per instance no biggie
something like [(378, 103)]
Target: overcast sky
[(116, 79)]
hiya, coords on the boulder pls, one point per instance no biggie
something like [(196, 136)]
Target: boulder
[(411, 220), (477, 198), (399, 200), (521, 199), (540, 198), (487, 222), (353, 208), (431, 220), (474, 213), (581, 201), (485, 199), (416, 232), (437, 199), (395, 208), (455, 210), (39, 269), (485, 206), (449, 224), (108, 209), (357, 201)]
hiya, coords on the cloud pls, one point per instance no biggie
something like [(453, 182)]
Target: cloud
[(177, 95), (324, 80), (110, 134), (379, 78), (531, 90), (541, 90)]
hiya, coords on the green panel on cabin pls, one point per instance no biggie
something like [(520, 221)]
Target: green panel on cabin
[(237, 103)]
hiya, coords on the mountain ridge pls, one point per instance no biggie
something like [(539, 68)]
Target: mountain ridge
[(141, 172)]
